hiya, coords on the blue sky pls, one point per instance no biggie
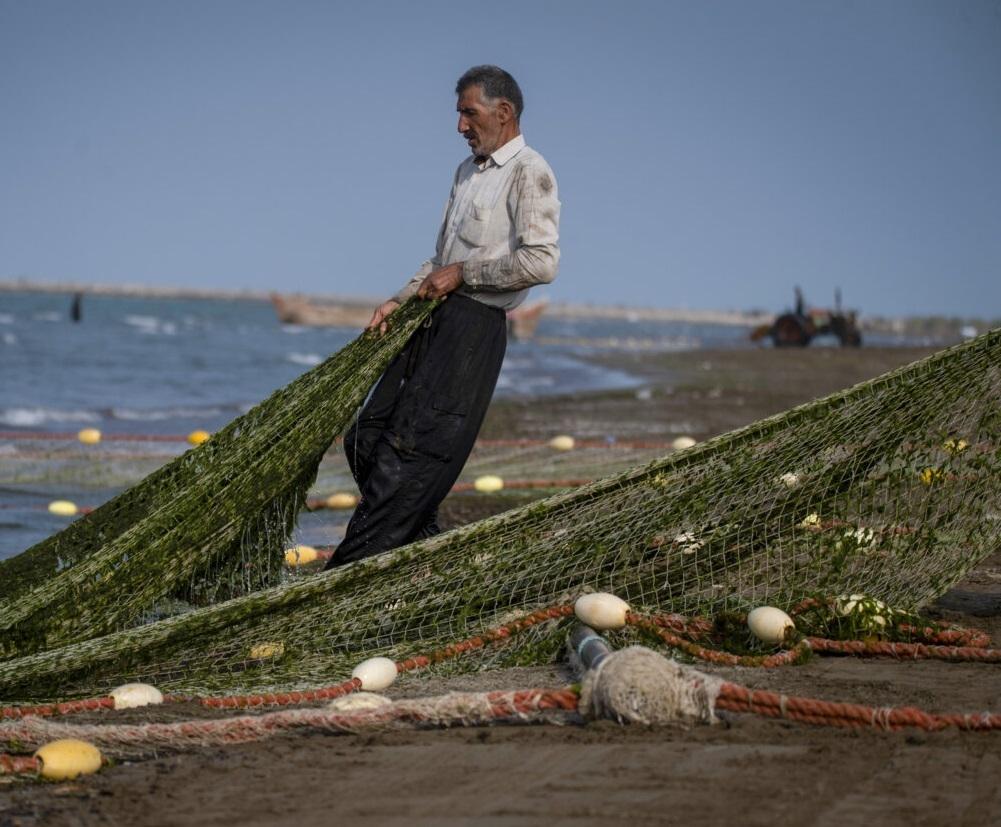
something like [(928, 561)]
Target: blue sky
[(709, 154)]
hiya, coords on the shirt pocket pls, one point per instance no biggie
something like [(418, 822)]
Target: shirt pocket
[(475, 227)]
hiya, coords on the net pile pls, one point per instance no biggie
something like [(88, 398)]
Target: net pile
[(889, 488), (207, 526)]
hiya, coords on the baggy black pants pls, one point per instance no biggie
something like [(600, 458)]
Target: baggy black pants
[(412, 438)]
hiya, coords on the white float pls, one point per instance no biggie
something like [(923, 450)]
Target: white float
[(67, 758), (601, 610), (488, 484), (375, 673), (769, 624), (132, 695), (789, 479), (682, 442), (562, 443)]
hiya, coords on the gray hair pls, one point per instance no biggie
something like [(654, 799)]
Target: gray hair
[(496, 83)]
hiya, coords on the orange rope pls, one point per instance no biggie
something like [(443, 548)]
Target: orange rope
[(18, 764)]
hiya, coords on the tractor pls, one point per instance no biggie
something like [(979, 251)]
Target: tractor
[(798, 327)]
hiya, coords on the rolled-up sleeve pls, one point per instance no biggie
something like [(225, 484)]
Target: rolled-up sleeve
[(534, 205), (410, 288)]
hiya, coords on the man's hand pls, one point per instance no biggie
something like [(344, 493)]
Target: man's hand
[(439, 283), (378, 320)]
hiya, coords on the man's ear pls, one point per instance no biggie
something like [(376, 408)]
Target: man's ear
[(505, 110)]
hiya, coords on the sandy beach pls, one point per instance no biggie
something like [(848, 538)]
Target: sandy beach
[(746, 770)]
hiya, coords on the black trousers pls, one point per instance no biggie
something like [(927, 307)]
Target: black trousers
[(412, 438)]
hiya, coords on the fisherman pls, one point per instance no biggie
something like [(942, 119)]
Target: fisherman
[(499, 237)]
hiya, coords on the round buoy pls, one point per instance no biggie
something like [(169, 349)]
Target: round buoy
[(300, 556), (268, 649), (198, 437), (488, 484), (769, 624), (89, 436), (682, 442), (63, 508), (789, 479), (375, 673), (562, 443), (132, 695), (67, 758), (341, 499), (601, 611)]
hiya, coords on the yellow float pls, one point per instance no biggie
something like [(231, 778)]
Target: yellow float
[(67, 758), (341, 500), (488, 484), (198, 437), (301, 556), (63, 508), (562, 443), (89, 436)]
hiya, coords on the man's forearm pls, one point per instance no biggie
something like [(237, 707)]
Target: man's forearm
[(525, 267)]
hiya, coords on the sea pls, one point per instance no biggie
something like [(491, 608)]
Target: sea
[(169, 366)]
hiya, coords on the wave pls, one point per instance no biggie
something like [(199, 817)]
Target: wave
[(33, 417), (6, 318), (161, 414), (151, 325), (308, 359)]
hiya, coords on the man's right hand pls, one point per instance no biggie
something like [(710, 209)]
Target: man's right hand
[(378, 321)]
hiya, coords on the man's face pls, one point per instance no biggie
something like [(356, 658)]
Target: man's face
[(479, 122)]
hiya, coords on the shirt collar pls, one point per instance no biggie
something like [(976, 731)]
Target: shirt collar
[(505, 153)]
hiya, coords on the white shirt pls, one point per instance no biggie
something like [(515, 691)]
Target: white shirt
[(502, 220)]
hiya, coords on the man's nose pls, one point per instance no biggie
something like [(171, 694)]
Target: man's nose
[(463, 123)]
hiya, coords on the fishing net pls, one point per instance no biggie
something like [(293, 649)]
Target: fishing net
[(889, 488), (206, 526)]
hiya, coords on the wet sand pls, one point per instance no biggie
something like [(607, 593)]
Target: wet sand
[(744, 771)]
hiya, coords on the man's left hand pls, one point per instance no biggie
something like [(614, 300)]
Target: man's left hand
[(439, 283)]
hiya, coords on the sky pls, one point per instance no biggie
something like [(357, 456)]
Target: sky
[(709, 154)]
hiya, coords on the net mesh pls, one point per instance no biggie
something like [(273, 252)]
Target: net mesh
[(889, 488)]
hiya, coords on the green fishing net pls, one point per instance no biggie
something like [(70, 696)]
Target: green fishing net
[(888, 489)]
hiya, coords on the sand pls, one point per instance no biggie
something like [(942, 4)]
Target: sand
[(744, 771)]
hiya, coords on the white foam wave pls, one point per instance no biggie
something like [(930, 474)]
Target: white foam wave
[(33, 417), (8, 338), (309, 359), (49, 316), (158, 415), (6, 318), (151, 325)]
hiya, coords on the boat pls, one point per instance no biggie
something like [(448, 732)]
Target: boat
[(300, 310), (307, 312)]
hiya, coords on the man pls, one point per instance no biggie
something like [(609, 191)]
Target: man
[(498, 238)]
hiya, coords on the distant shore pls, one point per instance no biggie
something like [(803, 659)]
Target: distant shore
[(555, 309), (931, 326)]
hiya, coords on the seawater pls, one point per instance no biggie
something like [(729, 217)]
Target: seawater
[(152, 366), (145, 366)]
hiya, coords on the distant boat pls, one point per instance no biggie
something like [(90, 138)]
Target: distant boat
[(299, 310)]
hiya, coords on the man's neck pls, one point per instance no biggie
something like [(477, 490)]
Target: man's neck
[(506, 137)]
